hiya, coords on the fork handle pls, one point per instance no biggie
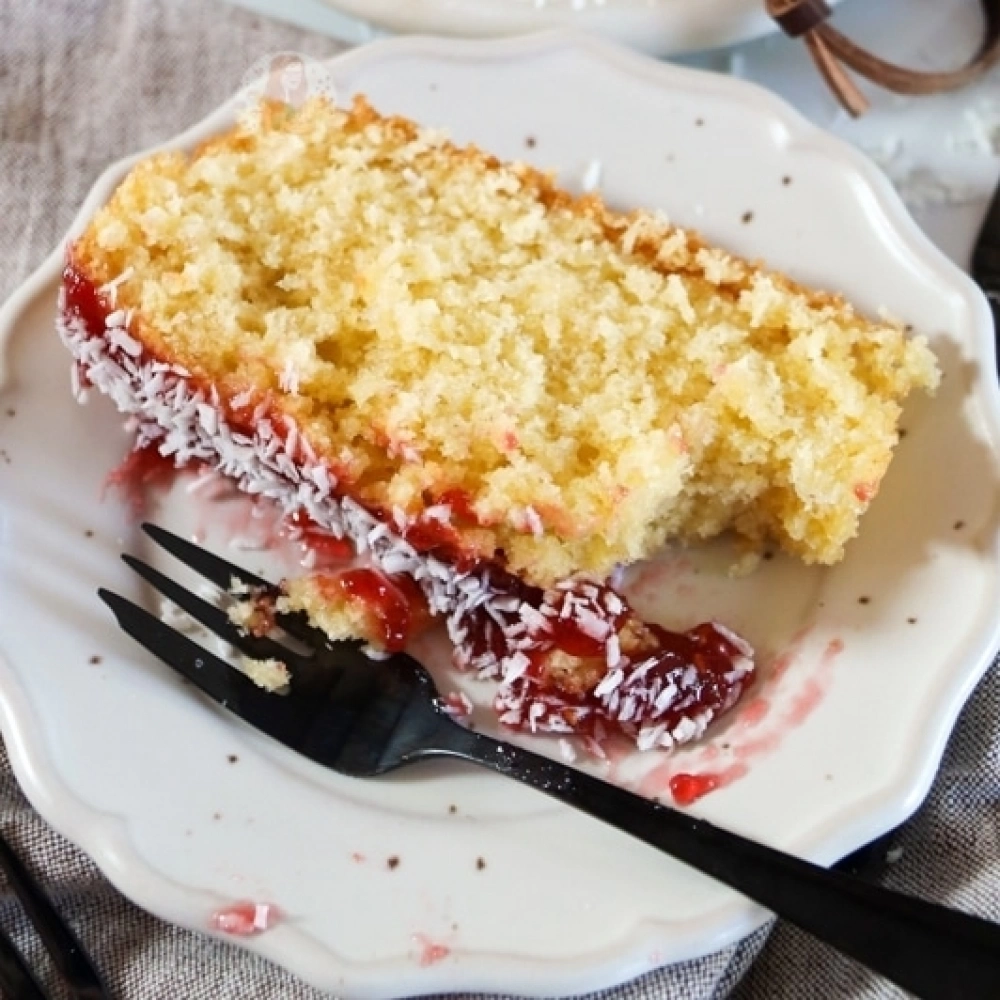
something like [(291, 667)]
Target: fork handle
[(932, 951)]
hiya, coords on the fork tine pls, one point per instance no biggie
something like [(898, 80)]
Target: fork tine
[(222, 573), (223, 683), (68, 955), (210, 566), (213, 618), (16, 980)]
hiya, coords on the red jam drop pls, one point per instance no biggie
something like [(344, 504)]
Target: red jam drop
[(396, 604), (329, 550), (143, 467), (460, 502), (442, 535), (568, 637), (431, 535), (83, 300), (430, 951), (141, 470), (865, 492), (688, 788), (245, 919), (568, 634)]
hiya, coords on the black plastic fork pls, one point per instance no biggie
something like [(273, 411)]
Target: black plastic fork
[(80, 977), (364, 718)]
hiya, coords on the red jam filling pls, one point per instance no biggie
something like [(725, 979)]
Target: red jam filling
[(143, 467), (460, 502), (430, 535), (328, 548), (142, 470), (698, 664), (83, 300), (395, 605), (568, 635)]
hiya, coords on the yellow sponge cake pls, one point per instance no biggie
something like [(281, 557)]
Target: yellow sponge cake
[(475, 376)]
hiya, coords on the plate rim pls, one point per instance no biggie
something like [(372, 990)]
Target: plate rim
[(103, 836), (656, 27)]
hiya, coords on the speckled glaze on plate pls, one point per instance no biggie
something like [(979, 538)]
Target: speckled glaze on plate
[(448, 879)]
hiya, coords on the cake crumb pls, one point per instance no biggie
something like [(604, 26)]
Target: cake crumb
[(746, 564), (392, 862), (270, 674)]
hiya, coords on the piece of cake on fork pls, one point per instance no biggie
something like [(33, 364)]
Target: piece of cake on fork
[(499, 392)]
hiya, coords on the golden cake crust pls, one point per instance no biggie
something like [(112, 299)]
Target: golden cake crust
[(564, 386)]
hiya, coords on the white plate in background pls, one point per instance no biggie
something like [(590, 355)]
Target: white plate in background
[(126, 761), (660, 27)]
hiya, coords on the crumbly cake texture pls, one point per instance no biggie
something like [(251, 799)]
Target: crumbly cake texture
[(568, 386), (494, 390), (575, 659)]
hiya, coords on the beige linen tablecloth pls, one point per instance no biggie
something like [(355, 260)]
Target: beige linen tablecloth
[(83, 82)]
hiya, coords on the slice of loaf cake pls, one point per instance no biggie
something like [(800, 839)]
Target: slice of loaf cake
[(473, 375)]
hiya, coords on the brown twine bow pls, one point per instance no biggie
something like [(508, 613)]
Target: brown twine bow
[(834, 53)]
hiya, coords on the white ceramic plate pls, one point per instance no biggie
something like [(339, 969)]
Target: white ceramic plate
[(858, 697), (661, 27)]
